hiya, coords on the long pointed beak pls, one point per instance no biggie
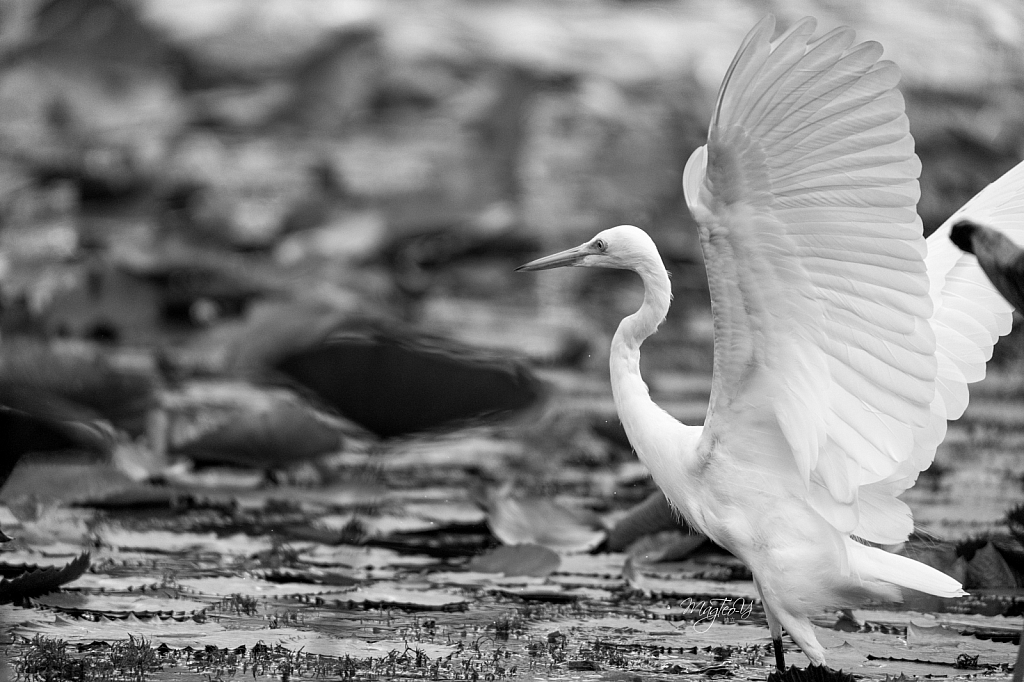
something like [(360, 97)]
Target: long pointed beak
[(556, 260)]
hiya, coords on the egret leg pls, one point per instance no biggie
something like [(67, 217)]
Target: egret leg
[(775, 628), (802, 633), (780, 656)]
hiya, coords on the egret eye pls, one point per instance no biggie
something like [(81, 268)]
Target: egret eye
[(600, 245)]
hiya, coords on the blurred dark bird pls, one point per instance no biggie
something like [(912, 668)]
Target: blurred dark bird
[(843, 340), (1000, 258)]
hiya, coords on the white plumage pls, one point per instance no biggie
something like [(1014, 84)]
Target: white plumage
[(843, 340)]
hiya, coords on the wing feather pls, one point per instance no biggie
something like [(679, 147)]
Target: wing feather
[(969, 318), (805, 196), (861, 336)]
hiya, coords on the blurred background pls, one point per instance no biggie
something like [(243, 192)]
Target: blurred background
[(259, 317), (313, 208), (166, 164)]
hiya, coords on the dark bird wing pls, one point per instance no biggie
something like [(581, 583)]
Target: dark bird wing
[(1000, 259)]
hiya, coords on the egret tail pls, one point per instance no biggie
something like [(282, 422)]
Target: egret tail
[(876, 564)]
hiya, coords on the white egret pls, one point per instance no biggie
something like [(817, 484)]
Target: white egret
[(843, 341)]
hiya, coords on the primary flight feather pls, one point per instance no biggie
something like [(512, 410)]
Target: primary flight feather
[(843, 340)]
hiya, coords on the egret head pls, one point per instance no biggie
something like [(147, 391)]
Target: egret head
[(624, 247)]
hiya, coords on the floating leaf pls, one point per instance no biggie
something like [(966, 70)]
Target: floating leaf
[(375, 526), (516, 560), (314, 576), (924, 634), (687, 587), (363, 557), (932, 647), (540, 521), (224, 478), (477, 579), (463, 450), (41, 581), (318, 644), (447, 514), (119, 606), (384, 596), (65, 479), (168, 542), (175, 633), (555, 594), (650, 516), (99, 582), (251, 587), (602, 565), (242, 424), (988, 569)]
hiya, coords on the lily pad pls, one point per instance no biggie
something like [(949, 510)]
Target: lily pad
[(526, 560), (385, 596), (40, 581), (175, 633), (363, 557), (251, 587), (168, 542), (120, 606), (540, 521)]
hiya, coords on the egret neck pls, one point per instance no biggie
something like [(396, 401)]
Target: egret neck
[(664, 445)]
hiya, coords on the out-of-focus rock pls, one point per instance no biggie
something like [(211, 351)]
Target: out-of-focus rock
[(347, 237), (17, 19), (561, 338), (95, 301), (243, 193), (965, 141), (245, 41), (118, 387), (598, 155), (198, 288), (97, 105), (338, 87), (418, 261), (241, 106), (238, 423), (129, 297), (418, 174), (625, 42), (20, 201), (968, 47)]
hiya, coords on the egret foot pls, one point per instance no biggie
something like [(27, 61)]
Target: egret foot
[(812, 673)]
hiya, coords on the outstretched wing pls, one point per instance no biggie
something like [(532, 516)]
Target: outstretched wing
[(806, 199), (970, 316)]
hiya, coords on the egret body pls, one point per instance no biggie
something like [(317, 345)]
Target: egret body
[(843, 341)]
